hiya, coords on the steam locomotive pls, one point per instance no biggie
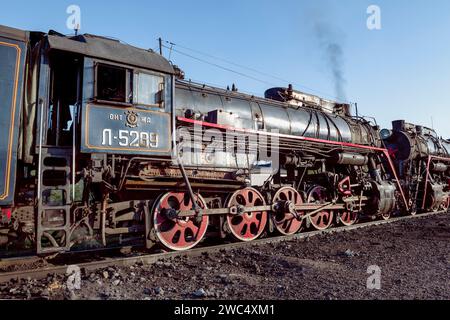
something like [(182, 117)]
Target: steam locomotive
[(104, 144)]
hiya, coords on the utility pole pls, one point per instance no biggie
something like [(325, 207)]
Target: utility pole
[(160, 46)]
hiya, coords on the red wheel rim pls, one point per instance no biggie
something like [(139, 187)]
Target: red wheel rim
[(387, 216), (249, 225), (445, 204), (178, 234), (348, 218), (285, 222), (323, 219)]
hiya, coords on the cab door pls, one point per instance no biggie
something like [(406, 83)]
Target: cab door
[(12, 59)]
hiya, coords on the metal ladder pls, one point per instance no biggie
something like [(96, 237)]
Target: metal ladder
[(54, 200)]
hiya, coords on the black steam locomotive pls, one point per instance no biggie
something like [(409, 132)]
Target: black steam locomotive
[(104, 144)]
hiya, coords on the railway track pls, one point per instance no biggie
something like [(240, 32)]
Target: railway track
[(148, 259)]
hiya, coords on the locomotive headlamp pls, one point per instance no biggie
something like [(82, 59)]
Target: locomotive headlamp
[(385, 134)]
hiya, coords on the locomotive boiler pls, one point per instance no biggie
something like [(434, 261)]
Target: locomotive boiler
[(105, 145)]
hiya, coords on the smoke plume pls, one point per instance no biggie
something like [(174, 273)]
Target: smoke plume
[(332, 49)]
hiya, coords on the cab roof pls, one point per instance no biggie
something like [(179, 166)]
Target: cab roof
[(110, 49), (13, 34)]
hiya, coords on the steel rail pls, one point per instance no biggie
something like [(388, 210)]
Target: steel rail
[(154, 258)]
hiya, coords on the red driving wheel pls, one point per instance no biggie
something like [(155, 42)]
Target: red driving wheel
[(285, 222), (348, 218), (246, 226), (175, 233), (323, 219)]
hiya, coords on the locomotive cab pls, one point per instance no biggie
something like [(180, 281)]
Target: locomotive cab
[(111, 88), (92, 105), (13, 51)]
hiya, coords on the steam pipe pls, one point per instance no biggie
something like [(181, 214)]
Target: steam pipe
[(374, 172)]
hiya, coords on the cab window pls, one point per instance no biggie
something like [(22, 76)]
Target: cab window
[(148, 89), (111, 83)]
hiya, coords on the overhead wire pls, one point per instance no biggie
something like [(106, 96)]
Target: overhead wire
[(230, 70), (219, 66), (244, 67)]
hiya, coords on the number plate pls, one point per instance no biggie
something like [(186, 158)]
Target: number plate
[(125, 130)]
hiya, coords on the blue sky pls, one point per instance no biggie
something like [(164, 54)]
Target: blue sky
[(399, 72)]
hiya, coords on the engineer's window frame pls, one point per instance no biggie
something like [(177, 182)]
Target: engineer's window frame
[(128, 79), (159, 93)]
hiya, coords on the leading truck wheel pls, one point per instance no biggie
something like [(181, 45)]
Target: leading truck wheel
[(246, 226), (321, 220), (446, 204), (386, 216), (174, 233), (286, 219)]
